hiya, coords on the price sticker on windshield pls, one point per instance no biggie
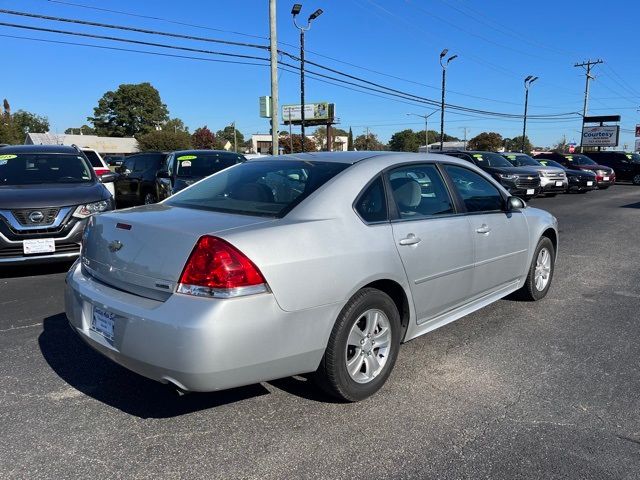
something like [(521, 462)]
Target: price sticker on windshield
[(187, 157)]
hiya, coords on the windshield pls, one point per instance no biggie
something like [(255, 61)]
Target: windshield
[(489, 159), (37, 168), (580, 160), (633, 157), (552, 163), (263, 188), (522, 160), (203, 165)]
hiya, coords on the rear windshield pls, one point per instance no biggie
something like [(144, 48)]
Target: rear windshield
[(268, 188), (522, 160), (33, 169), (203, 165), (93, 158), (579, 160), (489, 159)]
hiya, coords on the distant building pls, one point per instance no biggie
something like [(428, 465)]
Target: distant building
[(261, 143), (103, 145), (435, 147)]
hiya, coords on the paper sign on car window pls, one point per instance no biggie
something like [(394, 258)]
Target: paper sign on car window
[(8, 157), (477, 155), (187, 157)]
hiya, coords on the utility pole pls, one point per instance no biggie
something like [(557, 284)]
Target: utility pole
[(587, 67), (367, 139), (235, 138), (465, 136), (273, 47), (527, 83), (426, 126)]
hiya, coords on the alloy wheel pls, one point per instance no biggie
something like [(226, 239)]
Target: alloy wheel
[(368, 346), (543, 269)]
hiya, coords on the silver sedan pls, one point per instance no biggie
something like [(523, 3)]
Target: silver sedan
[(314, 263)]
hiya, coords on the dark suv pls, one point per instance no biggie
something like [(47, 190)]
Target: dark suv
[(185, 167), (47, 192), (605, 176), (626, 165), (518, 181), (137, 182)]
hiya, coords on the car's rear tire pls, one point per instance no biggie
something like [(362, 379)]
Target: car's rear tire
[(636, 179), (363, 347), (540, 272)]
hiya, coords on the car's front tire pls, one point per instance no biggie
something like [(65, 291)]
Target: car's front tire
[(149, 198), (363, 347), (636, 179), (540, 272)]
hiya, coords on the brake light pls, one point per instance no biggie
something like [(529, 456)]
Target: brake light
[(216, 268), (101, 171)]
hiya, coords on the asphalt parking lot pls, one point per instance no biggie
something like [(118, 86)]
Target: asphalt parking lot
[(517, 390)]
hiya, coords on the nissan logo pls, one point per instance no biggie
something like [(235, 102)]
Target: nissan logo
[(36, 217)]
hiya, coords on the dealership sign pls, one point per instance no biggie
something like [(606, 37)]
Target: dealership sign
[(600, 136), (312, 111)]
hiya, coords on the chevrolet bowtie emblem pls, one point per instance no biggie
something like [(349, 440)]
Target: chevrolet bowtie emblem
[(115, 246)]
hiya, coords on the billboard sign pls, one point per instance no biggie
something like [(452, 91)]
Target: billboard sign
[(637, 144), (606, 136), (312, 111)]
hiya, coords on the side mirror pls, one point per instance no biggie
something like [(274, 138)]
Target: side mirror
[(108, 177), (162, 174), (515, 203)]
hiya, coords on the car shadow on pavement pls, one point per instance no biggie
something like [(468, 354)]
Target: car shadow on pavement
[(631, 205), (34, 270), (95, 375)]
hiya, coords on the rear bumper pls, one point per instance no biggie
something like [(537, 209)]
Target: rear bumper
[(200, 344)]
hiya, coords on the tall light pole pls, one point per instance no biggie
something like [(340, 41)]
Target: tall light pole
[(273, 49), (295, 10), (444, 80), (426, 130), (527, 83)]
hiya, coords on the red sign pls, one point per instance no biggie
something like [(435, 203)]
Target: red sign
[(637, 131), (572, 148)]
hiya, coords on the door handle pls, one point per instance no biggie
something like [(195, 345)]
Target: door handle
[(411, 239), (483, 229)]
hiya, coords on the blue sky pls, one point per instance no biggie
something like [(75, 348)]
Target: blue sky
[(498, 43)]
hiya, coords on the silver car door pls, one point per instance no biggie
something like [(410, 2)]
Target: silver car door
[(501, 238), (434, 242)]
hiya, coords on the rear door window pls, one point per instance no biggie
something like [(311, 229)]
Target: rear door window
[(93, 158), (419, 191), (478, 193), (372, 203)]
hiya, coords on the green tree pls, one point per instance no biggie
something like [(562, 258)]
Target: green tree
[(405, 141), (561, 146), (131, 110), (368, 142), (203, 138), (227, 135), (309, 144), (490, 141), (164, 141), (515, 144), (14, 127), (176, 125), (85, 129), (350, 140)]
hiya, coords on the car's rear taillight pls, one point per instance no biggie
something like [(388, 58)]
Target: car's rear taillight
[(216, 268), (101, 171)]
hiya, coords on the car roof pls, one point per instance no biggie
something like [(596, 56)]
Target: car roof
[(204, 151), (335, 157), (38, 149)]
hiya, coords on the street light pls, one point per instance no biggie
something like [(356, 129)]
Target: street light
[(444, 77), (426, 134), (295, 10), (527, 83)]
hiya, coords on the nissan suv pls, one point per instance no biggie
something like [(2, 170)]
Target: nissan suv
[(521, 182), (47, 192)]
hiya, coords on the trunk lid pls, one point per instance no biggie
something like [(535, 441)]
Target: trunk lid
[(143, 250)]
